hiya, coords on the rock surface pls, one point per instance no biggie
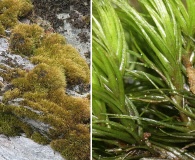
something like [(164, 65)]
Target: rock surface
[(22, 148)]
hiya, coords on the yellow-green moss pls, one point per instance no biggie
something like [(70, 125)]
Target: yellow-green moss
[(9, 125), (10, 10), (49, 48), (37, 137), (11, 94), (35, 96), (75, 147), (2, 30), (25, 38), (46, 76), (10, 73), (43, 88), (66, 57), (25, 7), (53, 38)]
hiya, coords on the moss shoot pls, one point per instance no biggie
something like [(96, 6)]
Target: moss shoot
[(43, 89)]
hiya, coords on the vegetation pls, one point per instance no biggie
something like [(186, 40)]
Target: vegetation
[(11, 10), (41, 92), (143, 79)]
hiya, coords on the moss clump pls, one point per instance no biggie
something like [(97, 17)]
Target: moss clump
[(11, 94), (10, 73), (46, 76), (53, 38), (11, 10), (42, 89), (25, 38), (71, 146), (49, 48), (66, 57), (39, 138), (42, 79), (9, 125)]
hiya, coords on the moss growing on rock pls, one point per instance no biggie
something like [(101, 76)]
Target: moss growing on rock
[(37, 137), (49, 48), (42, 89), (25, 38), (76, 143), (46, 76), (11, 94), (11, 10), (9, 125)]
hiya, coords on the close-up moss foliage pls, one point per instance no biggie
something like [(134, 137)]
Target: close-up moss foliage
[(143, 79), (42, 90)]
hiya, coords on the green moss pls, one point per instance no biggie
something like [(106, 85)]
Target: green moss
[(22, 83), (45, 76), (37, 137), (35, 96), (25, 7), (2, 30), (66, 57), (52, 39), (10, 73), (43, 88), (50, 48), (9, 125), (11, 94), (75, 147), (25, 38), (11, 10)]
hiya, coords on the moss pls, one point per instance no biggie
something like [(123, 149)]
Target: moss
[(46, 76), (21, 83), (52, 39), (11, 10), (2, 30), (66, 57), (41, 139), (78, 146), (9, 125), (43, 88), (25, 38), (26, 129), (10, 73), (25, 7), (41, 79), (11, 94), (35, 96), (49, 48)]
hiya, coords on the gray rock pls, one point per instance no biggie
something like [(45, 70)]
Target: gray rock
[(71, 35), (22, 148)]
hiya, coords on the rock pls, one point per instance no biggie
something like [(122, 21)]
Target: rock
[(22, 148)]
